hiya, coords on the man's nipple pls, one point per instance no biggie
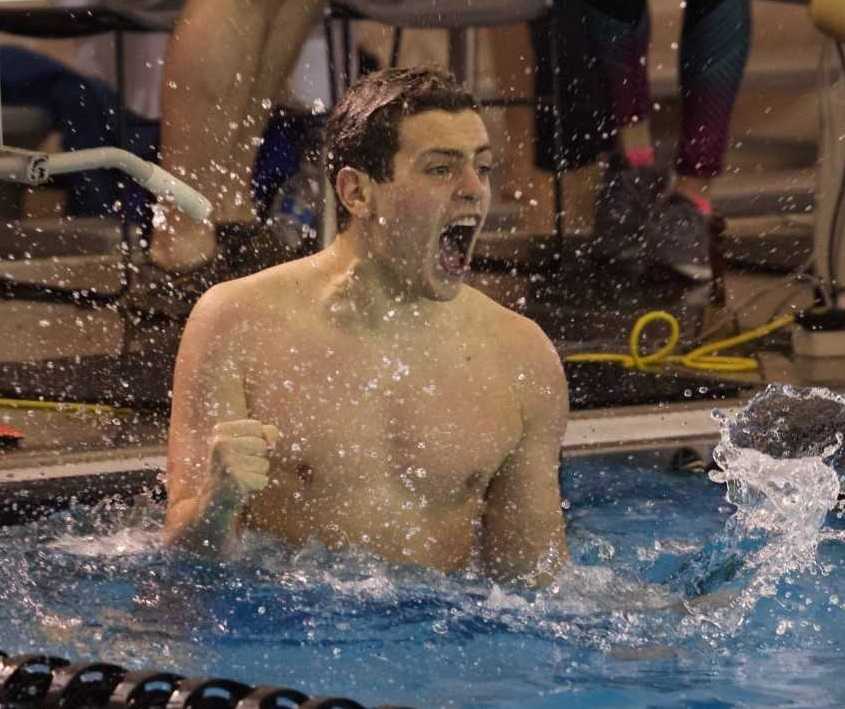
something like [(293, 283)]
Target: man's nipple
[(305, 474)]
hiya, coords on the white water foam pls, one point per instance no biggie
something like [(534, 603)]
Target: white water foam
[(784, 498)]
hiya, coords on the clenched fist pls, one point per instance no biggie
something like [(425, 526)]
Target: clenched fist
[(240, 454)]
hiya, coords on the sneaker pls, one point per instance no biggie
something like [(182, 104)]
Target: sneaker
[(678, 237), (626, 199)]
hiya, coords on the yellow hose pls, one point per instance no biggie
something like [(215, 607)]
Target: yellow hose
[(63, 407), (700, 358)]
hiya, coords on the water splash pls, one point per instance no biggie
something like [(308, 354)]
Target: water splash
[(98, 582), (159, 217), (776, 458)]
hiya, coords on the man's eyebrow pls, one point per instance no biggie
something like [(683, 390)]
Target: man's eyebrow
[(453, 153)]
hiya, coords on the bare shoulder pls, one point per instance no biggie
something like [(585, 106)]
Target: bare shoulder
[(523, 348), (519, 337), (273, 293)]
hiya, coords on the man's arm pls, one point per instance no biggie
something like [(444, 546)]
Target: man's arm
[(523, 525), (217, 456)]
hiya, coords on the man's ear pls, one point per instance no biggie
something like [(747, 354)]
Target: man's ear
[(354, 190)]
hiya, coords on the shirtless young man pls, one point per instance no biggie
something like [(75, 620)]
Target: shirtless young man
[(364, 396)]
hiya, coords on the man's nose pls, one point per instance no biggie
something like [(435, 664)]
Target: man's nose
[(471, 187)]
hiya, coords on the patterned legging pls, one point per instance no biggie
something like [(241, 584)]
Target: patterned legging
[(714, 48)]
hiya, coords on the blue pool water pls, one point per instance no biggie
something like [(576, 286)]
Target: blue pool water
[(672, 600)]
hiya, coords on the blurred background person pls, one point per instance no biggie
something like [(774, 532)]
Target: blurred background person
[(643, 216)]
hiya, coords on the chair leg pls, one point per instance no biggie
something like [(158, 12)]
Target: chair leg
[(346, 29), (462, 44), (339, 48), (557, 117), (331, 48), (396, 47)]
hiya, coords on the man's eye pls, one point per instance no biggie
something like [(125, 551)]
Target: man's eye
[(439, 170), (485, 170)]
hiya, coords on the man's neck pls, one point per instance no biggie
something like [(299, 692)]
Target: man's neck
[(364, 293)]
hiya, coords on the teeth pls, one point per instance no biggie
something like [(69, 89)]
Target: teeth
[(465, 221)]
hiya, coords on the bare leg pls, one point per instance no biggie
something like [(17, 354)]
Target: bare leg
[(227, 64)]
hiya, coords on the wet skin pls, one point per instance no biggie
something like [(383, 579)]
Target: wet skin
[(417, 418)]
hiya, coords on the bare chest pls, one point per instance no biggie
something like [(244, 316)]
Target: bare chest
[(433, 420)]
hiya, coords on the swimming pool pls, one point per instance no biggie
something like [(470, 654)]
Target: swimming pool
[(625, 625)]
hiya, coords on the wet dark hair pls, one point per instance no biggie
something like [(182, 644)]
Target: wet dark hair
[(363, 129)]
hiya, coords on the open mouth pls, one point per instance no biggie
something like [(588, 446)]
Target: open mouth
[(455, 243)]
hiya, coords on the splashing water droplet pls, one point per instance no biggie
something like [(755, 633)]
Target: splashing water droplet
[(776, 458), (159, 217)]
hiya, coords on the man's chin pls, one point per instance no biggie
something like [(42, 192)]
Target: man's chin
[(444, 290), (447, 297)]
